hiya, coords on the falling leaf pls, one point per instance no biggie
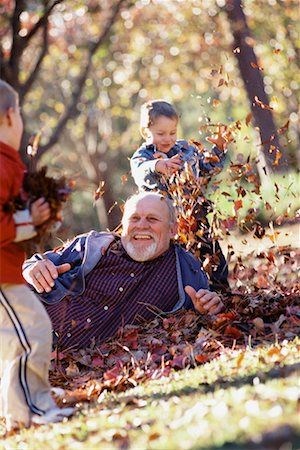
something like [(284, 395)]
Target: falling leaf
[(238, 204), (278, 156), (255, 66), (99, 192), (248, 119), (262, 105), (284, 128), (124, 179)]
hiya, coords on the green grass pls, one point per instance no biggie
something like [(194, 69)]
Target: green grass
[(242, 400), (279, 196)]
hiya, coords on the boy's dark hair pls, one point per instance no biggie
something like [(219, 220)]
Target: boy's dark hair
[(153, 109), (8, 97)]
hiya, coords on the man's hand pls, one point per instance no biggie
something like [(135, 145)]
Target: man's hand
[(168, 166), (41, 275), (205, 301), (40, 211)]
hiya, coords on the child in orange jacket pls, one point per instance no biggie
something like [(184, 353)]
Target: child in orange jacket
[(25, 328)]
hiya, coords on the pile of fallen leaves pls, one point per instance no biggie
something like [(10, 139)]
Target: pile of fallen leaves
[(252, 317)]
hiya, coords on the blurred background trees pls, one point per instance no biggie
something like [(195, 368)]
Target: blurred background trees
[(83, 68)]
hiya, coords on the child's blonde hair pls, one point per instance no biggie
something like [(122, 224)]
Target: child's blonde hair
[(8, 97), (153, 109)]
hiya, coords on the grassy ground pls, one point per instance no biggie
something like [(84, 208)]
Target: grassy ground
[(246, 399)]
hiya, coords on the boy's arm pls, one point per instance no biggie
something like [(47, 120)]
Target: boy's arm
[(211, 162), (142, 164)]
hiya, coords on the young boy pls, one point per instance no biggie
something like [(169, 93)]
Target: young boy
[(25, 329), (162, 154)]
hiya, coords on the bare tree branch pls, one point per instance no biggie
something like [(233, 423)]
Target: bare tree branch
[(16, 48), (41, 22), (34, 72), (71, 110), (19, 44)]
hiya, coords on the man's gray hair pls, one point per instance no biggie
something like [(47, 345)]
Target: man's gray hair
[(145, 194)]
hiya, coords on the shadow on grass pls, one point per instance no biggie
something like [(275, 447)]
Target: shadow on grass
[(284, 437), (205, 388)]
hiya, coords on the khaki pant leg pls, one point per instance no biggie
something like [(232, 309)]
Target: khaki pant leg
[(25, 349)]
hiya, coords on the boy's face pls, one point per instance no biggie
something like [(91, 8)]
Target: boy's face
[(11, 126), (163, 133)]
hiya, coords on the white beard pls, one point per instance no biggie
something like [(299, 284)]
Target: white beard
[(140, 255)]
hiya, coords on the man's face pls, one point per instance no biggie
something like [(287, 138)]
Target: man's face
[(146, 228), (163, 133)]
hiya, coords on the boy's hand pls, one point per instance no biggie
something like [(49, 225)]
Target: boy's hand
[(221, 137), (40, 211), (168, 166), (41, 275), (205, 301)]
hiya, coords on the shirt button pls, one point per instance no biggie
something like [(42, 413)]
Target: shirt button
[(105, 308), (132, 275), (121, 289), (88, 320)]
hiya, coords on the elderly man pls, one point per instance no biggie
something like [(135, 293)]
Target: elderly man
[(101, 281)]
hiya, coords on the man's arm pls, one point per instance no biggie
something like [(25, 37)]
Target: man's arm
[(42, 274), (205, 301)]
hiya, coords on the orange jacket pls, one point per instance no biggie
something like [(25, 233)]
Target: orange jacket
[(11, 178)]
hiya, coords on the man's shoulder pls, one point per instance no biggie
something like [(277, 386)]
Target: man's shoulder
[(84, 238), (185, 254)]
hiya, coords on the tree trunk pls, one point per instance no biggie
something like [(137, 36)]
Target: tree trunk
[(251, 75)]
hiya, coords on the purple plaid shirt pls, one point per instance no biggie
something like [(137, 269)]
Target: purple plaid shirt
[(118, 291)]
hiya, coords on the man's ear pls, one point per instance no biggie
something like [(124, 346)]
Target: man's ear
[(7, 116), (174, 229)]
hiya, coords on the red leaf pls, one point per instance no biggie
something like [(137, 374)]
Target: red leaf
[(238, 204), (97, 361), (201, 359), (178, 362), (111, 374), (233, 331)]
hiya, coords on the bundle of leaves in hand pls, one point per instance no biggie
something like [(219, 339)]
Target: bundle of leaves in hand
[(55, 191), (37, 184)]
